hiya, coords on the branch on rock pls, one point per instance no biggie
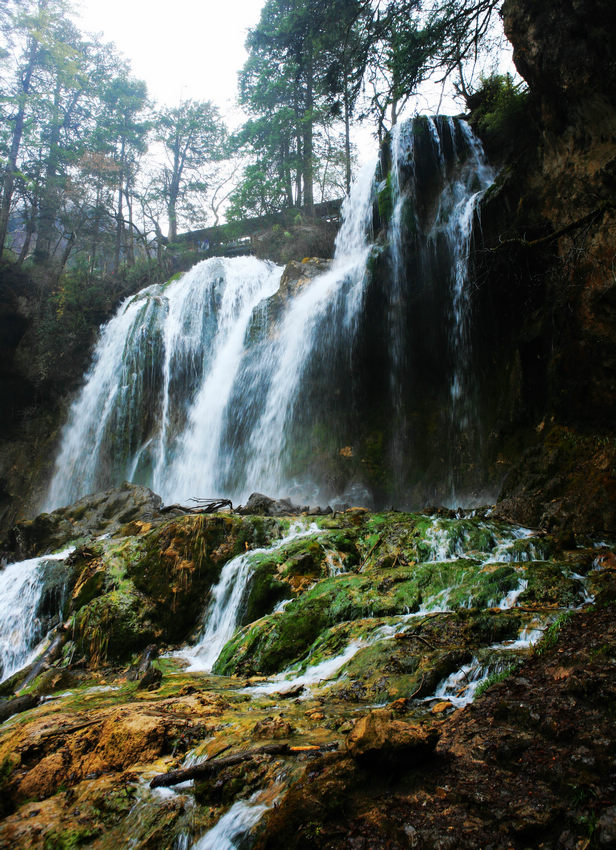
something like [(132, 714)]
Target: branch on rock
[(204, 506), (556, 234), (208, 768)]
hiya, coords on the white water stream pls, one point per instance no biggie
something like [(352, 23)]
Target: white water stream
[(234, 825), (21, 588), (223, 613)]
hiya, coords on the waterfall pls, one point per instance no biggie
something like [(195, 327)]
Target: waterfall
[(21, 625), (233, 826), (438, 175), (164, 365), (354, 384), (224, 611)]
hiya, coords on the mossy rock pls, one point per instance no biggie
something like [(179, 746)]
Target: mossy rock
[(114, 626), (549, 585), (273, 643), (177, 564), (265, 591)]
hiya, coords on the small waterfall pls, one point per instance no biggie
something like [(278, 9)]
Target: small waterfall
[(233, 826), (164, 364), (21, 627), (223, 613), (429, 236)]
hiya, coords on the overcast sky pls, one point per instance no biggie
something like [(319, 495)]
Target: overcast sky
[(181, 48), (194, 49)]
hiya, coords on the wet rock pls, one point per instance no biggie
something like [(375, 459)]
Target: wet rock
[(150, 680), (260, 505), (144, 664), (606, 828), (272, 727), (379, 740), (290, 693), (92, 516)]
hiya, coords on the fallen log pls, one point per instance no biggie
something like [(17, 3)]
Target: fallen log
[(207, 768), (50, 655), (15, 706)]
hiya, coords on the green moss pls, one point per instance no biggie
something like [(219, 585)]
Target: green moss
[(384, 200), (548, 585), (265, 591), (71, 838), (113, 626), (275, 642)]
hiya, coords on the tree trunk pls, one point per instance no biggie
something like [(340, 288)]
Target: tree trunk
[(298, 145), (119, 237), (307, 134), (30, 227), (347, 138), (8, 182), (49, 203), (66, 253), (130, 243), (286, 169)]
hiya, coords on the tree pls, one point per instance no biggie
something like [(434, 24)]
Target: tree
[(300, 77), (121, 133), (193, 135), (31, 25)]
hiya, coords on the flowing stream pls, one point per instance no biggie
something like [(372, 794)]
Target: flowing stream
[(228, 596), (21, 626)]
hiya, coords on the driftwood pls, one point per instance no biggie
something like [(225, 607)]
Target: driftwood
[(17, 705), (207, 768), (589, 218), (204, 506), (48, 657)]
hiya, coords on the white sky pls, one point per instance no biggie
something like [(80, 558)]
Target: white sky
[(181, 48), (194, 49)]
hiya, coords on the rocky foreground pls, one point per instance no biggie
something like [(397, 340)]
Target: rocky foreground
[(389, 681)]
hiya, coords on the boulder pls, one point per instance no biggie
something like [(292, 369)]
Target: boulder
[(378, 740), (92, 516), (260, 505)]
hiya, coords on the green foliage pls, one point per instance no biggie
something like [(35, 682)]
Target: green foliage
[(193, 136), (497, 677), (500, 111), (550, 638)]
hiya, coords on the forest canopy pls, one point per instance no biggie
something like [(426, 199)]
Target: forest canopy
[(97, 176)]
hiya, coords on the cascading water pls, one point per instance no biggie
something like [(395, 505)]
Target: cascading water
[(234, 825), (228, 381), (163, 370), (269, 395), (21, 627), (438, 175), (223, 612)]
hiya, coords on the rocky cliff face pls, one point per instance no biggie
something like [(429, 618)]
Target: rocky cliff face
[(546, 300)]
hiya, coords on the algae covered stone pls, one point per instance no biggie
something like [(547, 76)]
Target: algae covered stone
[(378, 740)]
